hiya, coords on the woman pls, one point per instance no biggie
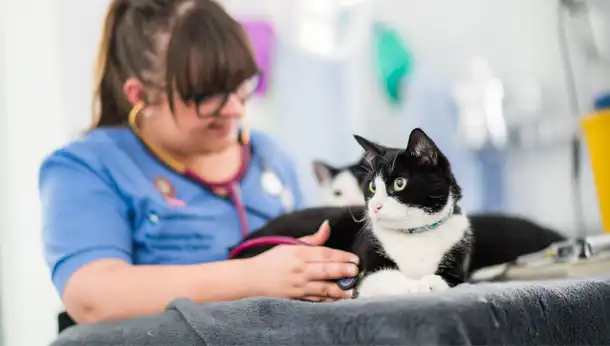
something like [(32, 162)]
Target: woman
[(129, 220)]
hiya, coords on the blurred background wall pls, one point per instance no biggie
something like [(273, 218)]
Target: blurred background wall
[(312, 106)]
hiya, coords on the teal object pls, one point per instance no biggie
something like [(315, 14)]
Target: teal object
[(394, 61)]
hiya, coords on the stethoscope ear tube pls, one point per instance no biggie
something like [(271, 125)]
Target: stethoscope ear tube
[(345, 284)]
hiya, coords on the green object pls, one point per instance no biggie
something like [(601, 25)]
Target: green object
[(394, 61)]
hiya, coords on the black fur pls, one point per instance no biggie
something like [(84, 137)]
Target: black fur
[(502, 238)]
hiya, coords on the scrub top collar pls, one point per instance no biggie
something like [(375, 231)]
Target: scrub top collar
[(252, 192)]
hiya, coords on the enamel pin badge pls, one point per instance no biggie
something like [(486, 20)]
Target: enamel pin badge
[(166, 188)]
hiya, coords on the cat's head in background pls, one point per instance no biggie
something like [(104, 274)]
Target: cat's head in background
[(340, 186), (408, 187)]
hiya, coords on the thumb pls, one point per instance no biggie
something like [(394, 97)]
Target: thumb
[(320, 237)]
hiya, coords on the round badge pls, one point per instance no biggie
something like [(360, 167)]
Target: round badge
[(165, 187), (153, 218), (271, 183)]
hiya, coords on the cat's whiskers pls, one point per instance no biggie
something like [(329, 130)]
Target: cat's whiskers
[(384, 159), (354, 217), (369, 160), (386, 163), (367, 169), (366, 226), (393, 163), (439, 196)]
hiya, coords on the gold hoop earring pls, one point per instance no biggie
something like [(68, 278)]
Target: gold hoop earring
[(244, 136), (133, 115)]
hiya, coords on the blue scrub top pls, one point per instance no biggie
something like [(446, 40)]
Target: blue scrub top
[(99, 200)]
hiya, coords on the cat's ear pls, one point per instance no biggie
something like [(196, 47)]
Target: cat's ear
[(370, 149), (422, 147), (323, 171)]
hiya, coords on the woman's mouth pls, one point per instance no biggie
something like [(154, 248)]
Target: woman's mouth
[(221, 128)]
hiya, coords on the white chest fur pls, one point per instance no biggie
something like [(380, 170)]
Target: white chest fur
[(417, 257), (419, 254)]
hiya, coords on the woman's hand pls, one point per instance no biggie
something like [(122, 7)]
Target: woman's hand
[(304, 272)]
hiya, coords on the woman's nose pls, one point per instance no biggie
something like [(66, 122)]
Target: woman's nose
[(233, 107)]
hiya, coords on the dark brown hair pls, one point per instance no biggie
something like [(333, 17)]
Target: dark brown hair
[(183, 47)]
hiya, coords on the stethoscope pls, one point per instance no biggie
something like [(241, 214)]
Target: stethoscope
[(230, 189)]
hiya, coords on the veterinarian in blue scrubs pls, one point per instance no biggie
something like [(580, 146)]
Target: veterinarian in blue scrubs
[(143, 208)]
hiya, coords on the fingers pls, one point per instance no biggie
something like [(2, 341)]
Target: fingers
[(320, 237), (319, 299), (317, 254), (331, 271), (326, 290)]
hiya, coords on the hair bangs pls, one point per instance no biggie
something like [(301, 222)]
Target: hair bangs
[(208, 53)]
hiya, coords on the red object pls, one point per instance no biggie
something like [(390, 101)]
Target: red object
[(269, 240)]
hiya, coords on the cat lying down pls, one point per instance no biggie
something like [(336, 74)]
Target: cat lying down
[(500, 238), (410, 235)]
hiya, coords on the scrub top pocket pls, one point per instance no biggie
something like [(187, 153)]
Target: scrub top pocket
[(182, 235)]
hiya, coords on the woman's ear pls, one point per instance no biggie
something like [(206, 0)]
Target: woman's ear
[(134, 90)]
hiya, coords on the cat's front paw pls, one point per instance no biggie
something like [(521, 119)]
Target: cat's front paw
[(383, 283), (434, 283), (416, 286), (390, 282)]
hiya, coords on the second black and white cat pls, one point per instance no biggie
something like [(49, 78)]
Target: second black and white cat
[(410, 235)]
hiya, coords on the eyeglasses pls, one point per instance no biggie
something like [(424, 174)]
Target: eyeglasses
[(210, 105)]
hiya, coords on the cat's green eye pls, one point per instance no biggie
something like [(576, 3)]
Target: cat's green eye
[(372, 186), (400, 184)]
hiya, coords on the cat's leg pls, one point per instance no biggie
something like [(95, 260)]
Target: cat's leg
[(388, 282), (435, 283)]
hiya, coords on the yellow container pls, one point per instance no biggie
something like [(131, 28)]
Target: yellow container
[(597, 136)]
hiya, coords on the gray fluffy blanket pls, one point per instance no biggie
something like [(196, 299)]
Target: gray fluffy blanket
[(547, 313)]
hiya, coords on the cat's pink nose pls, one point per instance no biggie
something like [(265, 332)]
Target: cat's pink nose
[(377, 208)]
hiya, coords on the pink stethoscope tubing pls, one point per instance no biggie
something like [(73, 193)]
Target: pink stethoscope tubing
[(231, 186)]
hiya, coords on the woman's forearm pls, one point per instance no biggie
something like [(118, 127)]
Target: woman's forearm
[(111, 290)]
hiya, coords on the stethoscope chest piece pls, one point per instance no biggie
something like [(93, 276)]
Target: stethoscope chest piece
[(348, 283)]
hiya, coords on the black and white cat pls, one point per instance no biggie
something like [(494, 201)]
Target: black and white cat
[(341, 186), (410, 236), (418, 240), (500, 238)]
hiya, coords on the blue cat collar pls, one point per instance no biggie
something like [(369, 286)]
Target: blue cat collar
[(431, 226)]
